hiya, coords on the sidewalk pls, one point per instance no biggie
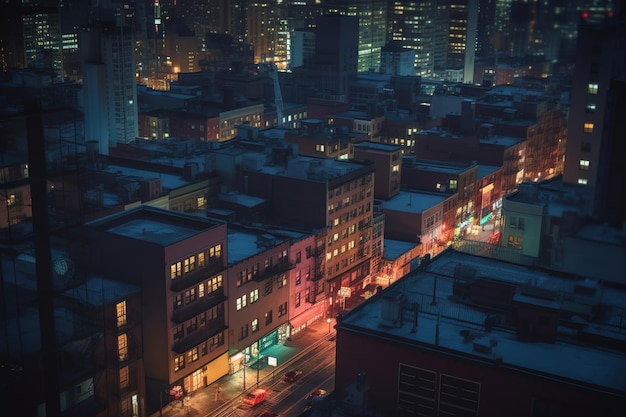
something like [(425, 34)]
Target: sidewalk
[(224, 393)]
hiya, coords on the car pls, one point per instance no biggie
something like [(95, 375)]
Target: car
[(255, 397), (292, 376), (320, 392)]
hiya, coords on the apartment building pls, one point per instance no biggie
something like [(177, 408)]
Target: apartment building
[(179, 262)]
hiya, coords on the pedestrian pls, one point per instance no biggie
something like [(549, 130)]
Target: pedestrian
[(217, 392)]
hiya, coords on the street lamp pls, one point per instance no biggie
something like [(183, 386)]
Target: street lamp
[(328, 321)]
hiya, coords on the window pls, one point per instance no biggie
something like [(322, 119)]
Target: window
[(122, 346), (255, 325), (243, 332), (268, 318), (320, 147), (282, 309), (298, 299), (176, 270), (124, 377), (201, 261), (298, 277), (254, 296), (453, 184), (513, 222), (120, 309), (192, 355), (190, 295), (192, 325), (189, 264), (588, 128), (215, 283), (515, 242), (520, 223), (282, 280), (179, 363), (178, 301), (215, 251), (241, 302), (582, 181), (592, 88), (268, 287), (217, 340), (591, 108), (298, 257), (584, 164), (179, 332)]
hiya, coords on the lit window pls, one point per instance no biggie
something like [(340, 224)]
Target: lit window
[(515, 242), (588, 127), (584, 164), (582, 181), (320, 148), (453, 184), (254, 296), (193, 355), (591, 108), (122, 346), (255, 325), (179, 363), (241, 302), (592, 88), (176, 270), (121, 313)]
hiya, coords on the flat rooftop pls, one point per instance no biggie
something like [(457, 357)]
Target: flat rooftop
[(164, 227), (448, 323)]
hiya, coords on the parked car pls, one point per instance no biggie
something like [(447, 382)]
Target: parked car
[(292, 376), (255, 397), (320, 392)]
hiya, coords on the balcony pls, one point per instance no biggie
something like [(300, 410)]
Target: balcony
[(213, 267), (272, 271), (198, 306), (199, 336)]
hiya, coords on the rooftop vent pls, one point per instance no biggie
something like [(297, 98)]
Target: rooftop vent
[(484, 345), (391, 314)]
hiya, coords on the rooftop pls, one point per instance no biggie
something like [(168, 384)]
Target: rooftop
[(153, 225), (459, 326), (413, 201)]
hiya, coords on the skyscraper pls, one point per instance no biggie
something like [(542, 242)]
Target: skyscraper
[(109, 85), (594, 104), (413, 25), (372, 30)]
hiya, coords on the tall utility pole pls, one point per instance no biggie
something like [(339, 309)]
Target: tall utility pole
[(43, 266)]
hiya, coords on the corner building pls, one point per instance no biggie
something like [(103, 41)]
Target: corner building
[(179, 261), (335, 195)]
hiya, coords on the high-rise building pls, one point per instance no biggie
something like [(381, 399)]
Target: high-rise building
[(600, 63), (334, 63), (110, 90), (463, 18), (372, 30), (413, 26)]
